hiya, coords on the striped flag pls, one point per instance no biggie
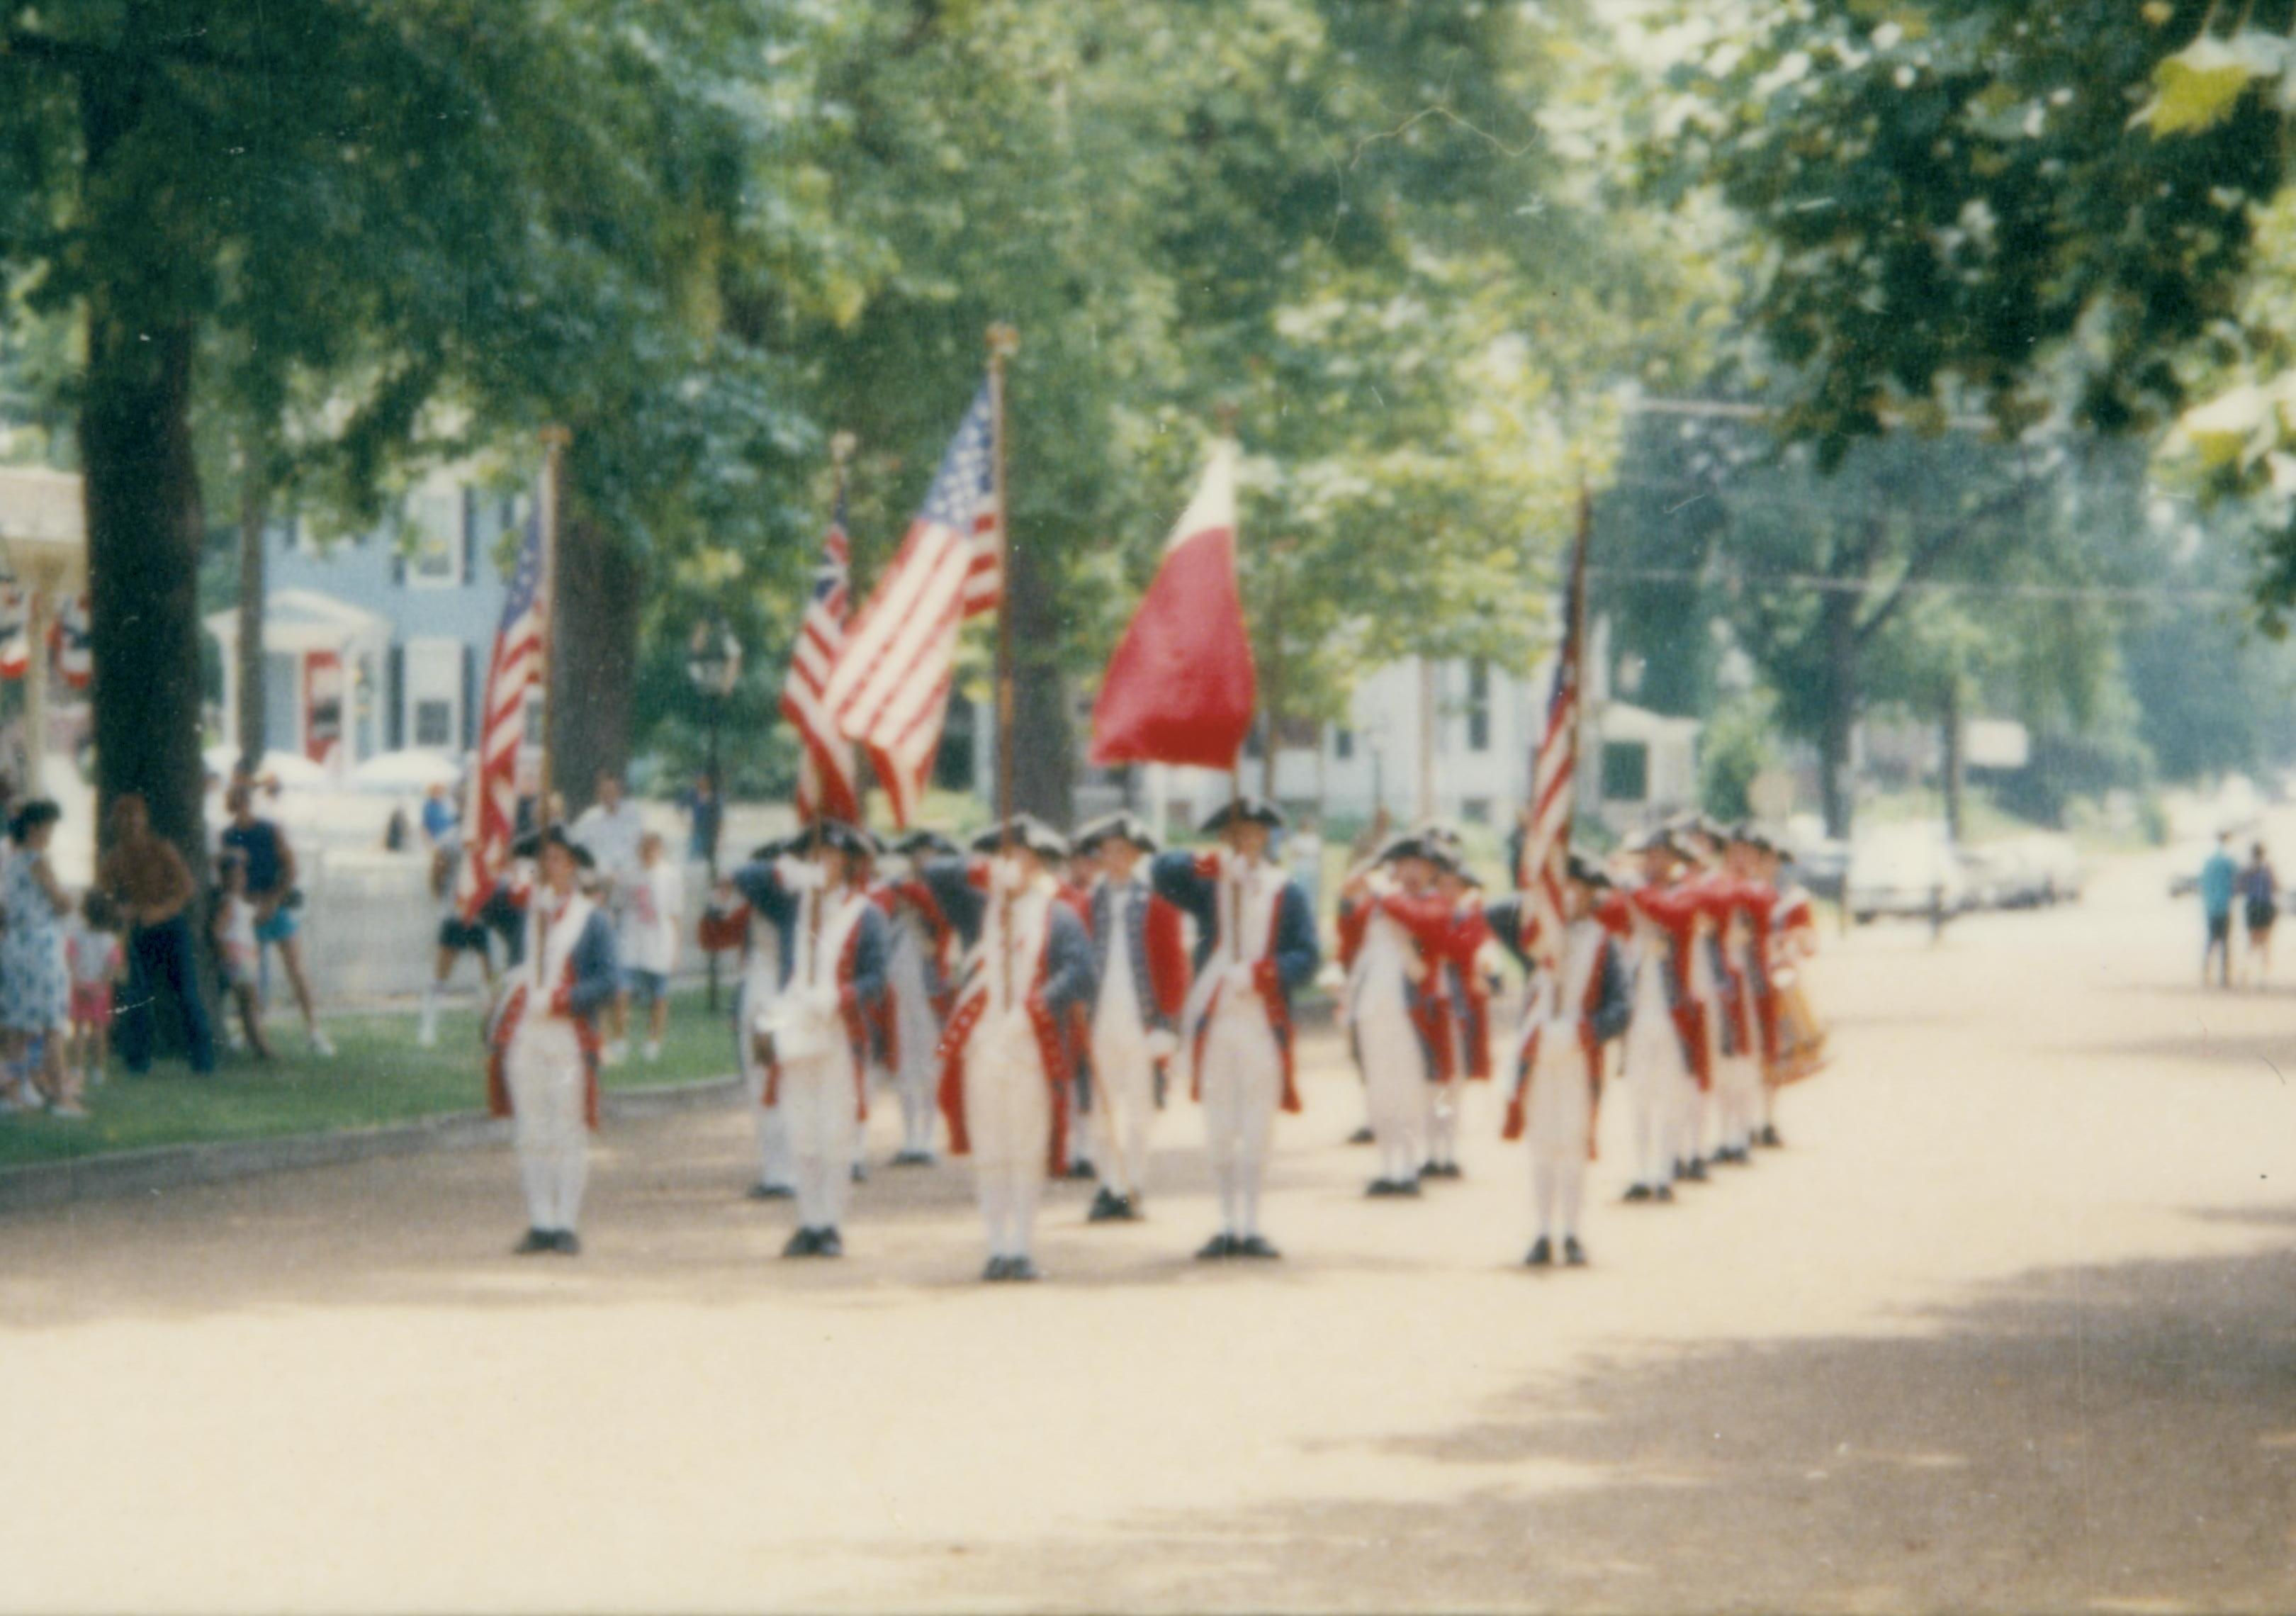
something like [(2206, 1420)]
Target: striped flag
[(1554, 776), (889, 689), (514, 679), (825, 785)]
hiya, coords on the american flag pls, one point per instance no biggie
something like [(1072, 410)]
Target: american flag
[(1553, 775), (824, 774), (514, 676), (889, 689)]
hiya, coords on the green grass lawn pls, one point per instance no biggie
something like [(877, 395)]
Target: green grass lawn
[(377, 1075)]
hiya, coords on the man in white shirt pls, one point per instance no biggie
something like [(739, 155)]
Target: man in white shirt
[(654, 907), (608, 830)]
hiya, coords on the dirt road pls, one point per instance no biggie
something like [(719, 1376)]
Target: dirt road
[(2010, 1325)]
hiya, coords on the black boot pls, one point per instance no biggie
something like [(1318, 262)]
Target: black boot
[(1541, 1254)]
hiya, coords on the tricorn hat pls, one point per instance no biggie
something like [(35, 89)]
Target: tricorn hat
[(1656, 840), (530, 846), (845, 837), (1120, 827), (1245, 808), (1027, 830), (1586, 872), (920, 841)]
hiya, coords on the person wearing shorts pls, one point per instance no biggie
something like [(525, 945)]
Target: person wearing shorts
[(654, 905), (456, 937), (94, 959), (2260, 904), (271, 888)]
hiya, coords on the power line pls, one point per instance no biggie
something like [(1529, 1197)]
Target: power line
[(1818, 582)]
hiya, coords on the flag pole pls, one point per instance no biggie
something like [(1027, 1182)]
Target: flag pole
[(1579, 644), (841, 446), (1003, 342), (554, 439)]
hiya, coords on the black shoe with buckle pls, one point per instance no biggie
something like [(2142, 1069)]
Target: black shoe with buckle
[(1258, 1246), (566, 1243), (1542, 1252), (1574, 1255), (805, 1243), (1217, 1249), (828, 1243), (537, 1241), (1639, 1191)]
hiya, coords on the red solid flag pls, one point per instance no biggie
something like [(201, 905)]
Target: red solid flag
[(1181, 687)]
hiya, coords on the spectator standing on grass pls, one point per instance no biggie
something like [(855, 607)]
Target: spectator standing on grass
[(231, 923), (147, 878), (608, 831), (705, 817), (95, 960), (651, 918), (34, 992), (2259, 902), (440, 825), (2218, 876), (271, 888)]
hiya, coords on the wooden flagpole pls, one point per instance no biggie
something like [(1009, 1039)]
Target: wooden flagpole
[(554, 439), (841, 446), (1003, 341), (1578, 646)]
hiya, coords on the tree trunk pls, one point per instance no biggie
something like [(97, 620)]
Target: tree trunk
[(249, 672), (143, 535), (1951, 771), (1043, 732), (594, 656), (142, 493), (1840, 611)]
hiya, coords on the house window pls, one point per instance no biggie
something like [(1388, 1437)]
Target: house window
[(432, 686), (434, 723), (1344, 743), (1625, 771), (1476, 810), (433, 536), (1479, 706)]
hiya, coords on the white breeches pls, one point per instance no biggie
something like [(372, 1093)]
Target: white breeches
[(1559, 1110), (919, 1030), (1008, 1115), (767, 1123), (818, 1100), (1692, 1103), (1737, 1099), (1123, 1103), (544, 1067), (1395, 1077), (1242, 1081), (1653, 1075), (1444, 1104)]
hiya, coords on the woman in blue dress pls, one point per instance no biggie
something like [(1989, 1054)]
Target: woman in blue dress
[(34, 989)]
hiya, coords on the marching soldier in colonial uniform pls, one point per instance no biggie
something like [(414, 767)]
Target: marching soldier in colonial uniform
[(1141, 967), (732, 921), (1665, 1036), (1574, 1011), (918, 939), (543, 1069), (1005, 1082), (1397, 930), (1465, 1001), (1255, 947), (1800, 1050), (812, 1038)]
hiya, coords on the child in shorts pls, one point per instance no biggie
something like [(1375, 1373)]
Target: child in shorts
[(236, 947), (95, 961)]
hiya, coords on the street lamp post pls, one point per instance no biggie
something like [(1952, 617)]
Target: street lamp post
[(713, 661)]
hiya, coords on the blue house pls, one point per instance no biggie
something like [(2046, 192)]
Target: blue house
[(379, 641)]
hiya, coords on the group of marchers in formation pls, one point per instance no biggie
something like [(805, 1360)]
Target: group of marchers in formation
[(1042, 998)]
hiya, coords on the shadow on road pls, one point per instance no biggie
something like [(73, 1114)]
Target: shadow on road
[(2118, 1438)]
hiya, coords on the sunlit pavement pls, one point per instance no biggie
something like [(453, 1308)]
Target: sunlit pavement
[(2010, 1323)]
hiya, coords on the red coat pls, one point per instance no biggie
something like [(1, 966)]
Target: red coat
[(1674, 910)]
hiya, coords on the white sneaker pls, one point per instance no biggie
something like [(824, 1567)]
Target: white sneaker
[(321, 1046), (652, 1051)]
